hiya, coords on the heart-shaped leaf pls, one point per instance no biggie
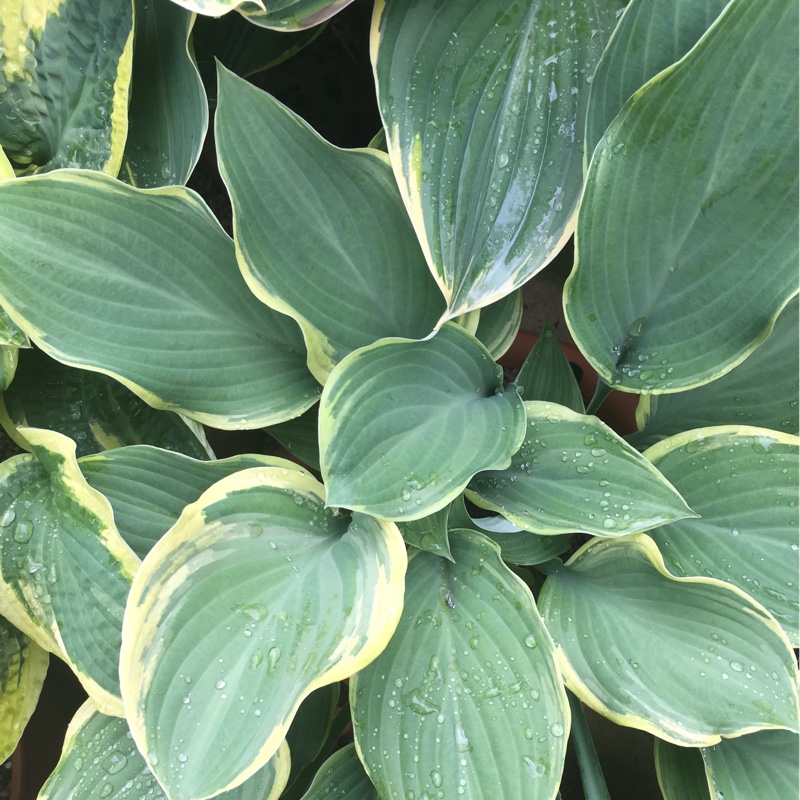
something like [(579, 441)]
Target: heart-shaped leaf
[(299, 200), (573, 473), (148, 292), (404, 425), (658, 272), (482, 101), (743, 484), (688, 659), (466, 698), (257, 596)]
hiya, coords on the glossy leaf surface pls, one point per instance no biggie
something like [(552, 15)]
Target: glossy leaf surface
[(743, 484), (688, 659), (483, 105), (404, 425), (59, 544), (168, 114), (23, 665), (257, 596), (64, 83), (762, 765), (321, 232), (467, 695), (680, 771), (342, 776), (429, 533), (94, 410), (763, 391), (658, 272), (649, 38), (573, 473), (148, 488), (149, 292)]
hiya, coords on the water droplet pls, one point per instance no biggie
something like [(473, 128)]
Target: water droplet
[(7, 517), (530, 641), (736, 666), (534, 768), (557, 729), (462, 741), (183, 758), (23, 532), (256, 659), (436, 778), (105, 790), (273, 657), (152, 758), (502, 160), (220, 685), (114, 762)]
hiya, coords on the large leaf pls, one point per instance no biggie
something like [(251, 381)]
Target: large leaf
[(680, 771), (761, 766), (743, 484), (688, 659), (168, 113), (148, 488), (658, 271), (649, 37), (573, 473), (321, 232), (404, 425), (95, 411), (23, 665), (66, 69), (763, 391), (150, 294), (257, 596), (342, 776), (483, 102), (65, 570), (466, 699), (100, 760)]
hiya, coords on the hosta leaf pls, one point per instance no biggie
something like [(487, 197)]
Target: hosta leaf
[(168, 114), (9, 358), (547, 375), (100, 761), (517, 546), (429, 533), (688, 659), (60, 544), (6, 170), (216, 8), (466, 695), (95, 411), (257, 596), (657, 272), (342, 776), (743, 484), (481, 101), (10, 334), (300, 436), (148, 488), (649, 37), (293, 15), (404, 425), (499, 323), (150, 294), (680, 771), (761, 766), (298, 200), (23, 665), (762, 391), (64, 80), (242, 47), (573, 473), (310, 728)]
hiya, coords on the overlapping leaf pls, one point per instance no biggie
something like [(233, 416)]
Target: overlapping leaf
[(429, 533), (23, 665), (649, 38), (658, 272), (64, 83), (688, 659), (743, 484), (466, 699), (150, 294), (342, 776), (257, 596), (65, 570), (680, 771), (293, 15), (300, 436), (573, 473), (148, 488), (404, 425), (95, 411), (498, 323), (763, 390), (483, 102), (100, 761), (168, 114), (321, 233)]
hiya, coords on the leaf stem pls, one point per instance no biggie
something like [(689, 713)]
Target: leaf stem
[(601, 392), (594, 784)]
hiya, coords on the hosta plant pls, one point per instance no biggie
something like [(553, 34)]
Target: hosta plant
[(454, 563)]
